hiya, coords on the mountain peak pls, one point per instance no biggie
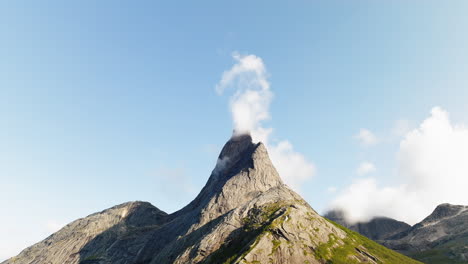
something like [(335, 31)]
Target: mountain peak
[(442, 211), (243, 171), (236, 148), (243, 214)]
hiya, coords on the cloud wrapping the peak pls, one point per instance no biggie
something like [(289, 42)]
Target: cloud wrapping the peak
[(249, 71), (250, 108), (432, 169), (251, 101)]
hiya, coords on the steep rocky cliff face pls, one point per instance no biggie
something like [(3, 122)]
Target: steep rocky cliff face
[(244, 214)]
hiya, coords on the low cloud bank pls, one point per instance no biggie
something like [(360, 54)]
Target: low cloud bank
[(432, 168)]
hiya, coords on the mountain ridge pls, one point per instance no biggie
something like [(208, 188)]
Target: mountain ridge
[(441, 237), (244, 214)]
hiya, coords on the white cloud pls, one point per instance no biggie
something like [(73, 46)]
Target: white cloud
[(363, 200), (432, 168), (250, 107), (293, 167), (251, 101), (366, 137), (365, 168), (332, 189)]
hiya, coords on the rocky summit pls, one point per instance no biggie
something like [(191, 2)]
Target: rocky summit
[(244, 214)]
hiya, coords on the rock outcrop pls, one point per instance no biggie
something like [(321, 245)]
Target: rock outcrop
[(244, 214)]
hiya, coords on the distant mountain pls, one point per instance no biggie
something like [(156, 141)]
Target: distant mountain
[(378, 228), (442, 237), (244, 214)]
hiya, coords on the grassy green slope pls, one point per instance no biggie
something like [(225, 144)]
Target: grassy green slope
[(354, 241), (347, 250)]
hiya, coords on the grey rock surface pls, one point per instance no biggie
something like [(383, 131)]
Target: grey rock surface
[(442, 237), (244, 214), (83, 238)]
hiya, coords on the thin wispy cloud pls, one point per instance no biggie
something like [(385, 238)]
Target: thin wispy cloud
[(250, 103), (365, 168), (250, 108), (366, 137)]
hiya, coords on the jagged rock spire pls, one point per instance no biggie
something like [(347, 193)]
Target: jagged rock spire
[(243, 214), (243, 170)]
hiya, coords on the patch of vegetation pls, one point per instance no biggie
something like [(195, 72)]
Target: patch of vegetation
[(323, 251), (434, 256), (444, 253), (241, 246), (276, 244), (266, 219), (347, 250), (258, 223), (448, 251)]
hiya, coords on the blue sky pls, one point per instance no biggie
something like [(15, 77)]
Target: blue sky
[(103, 102)]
